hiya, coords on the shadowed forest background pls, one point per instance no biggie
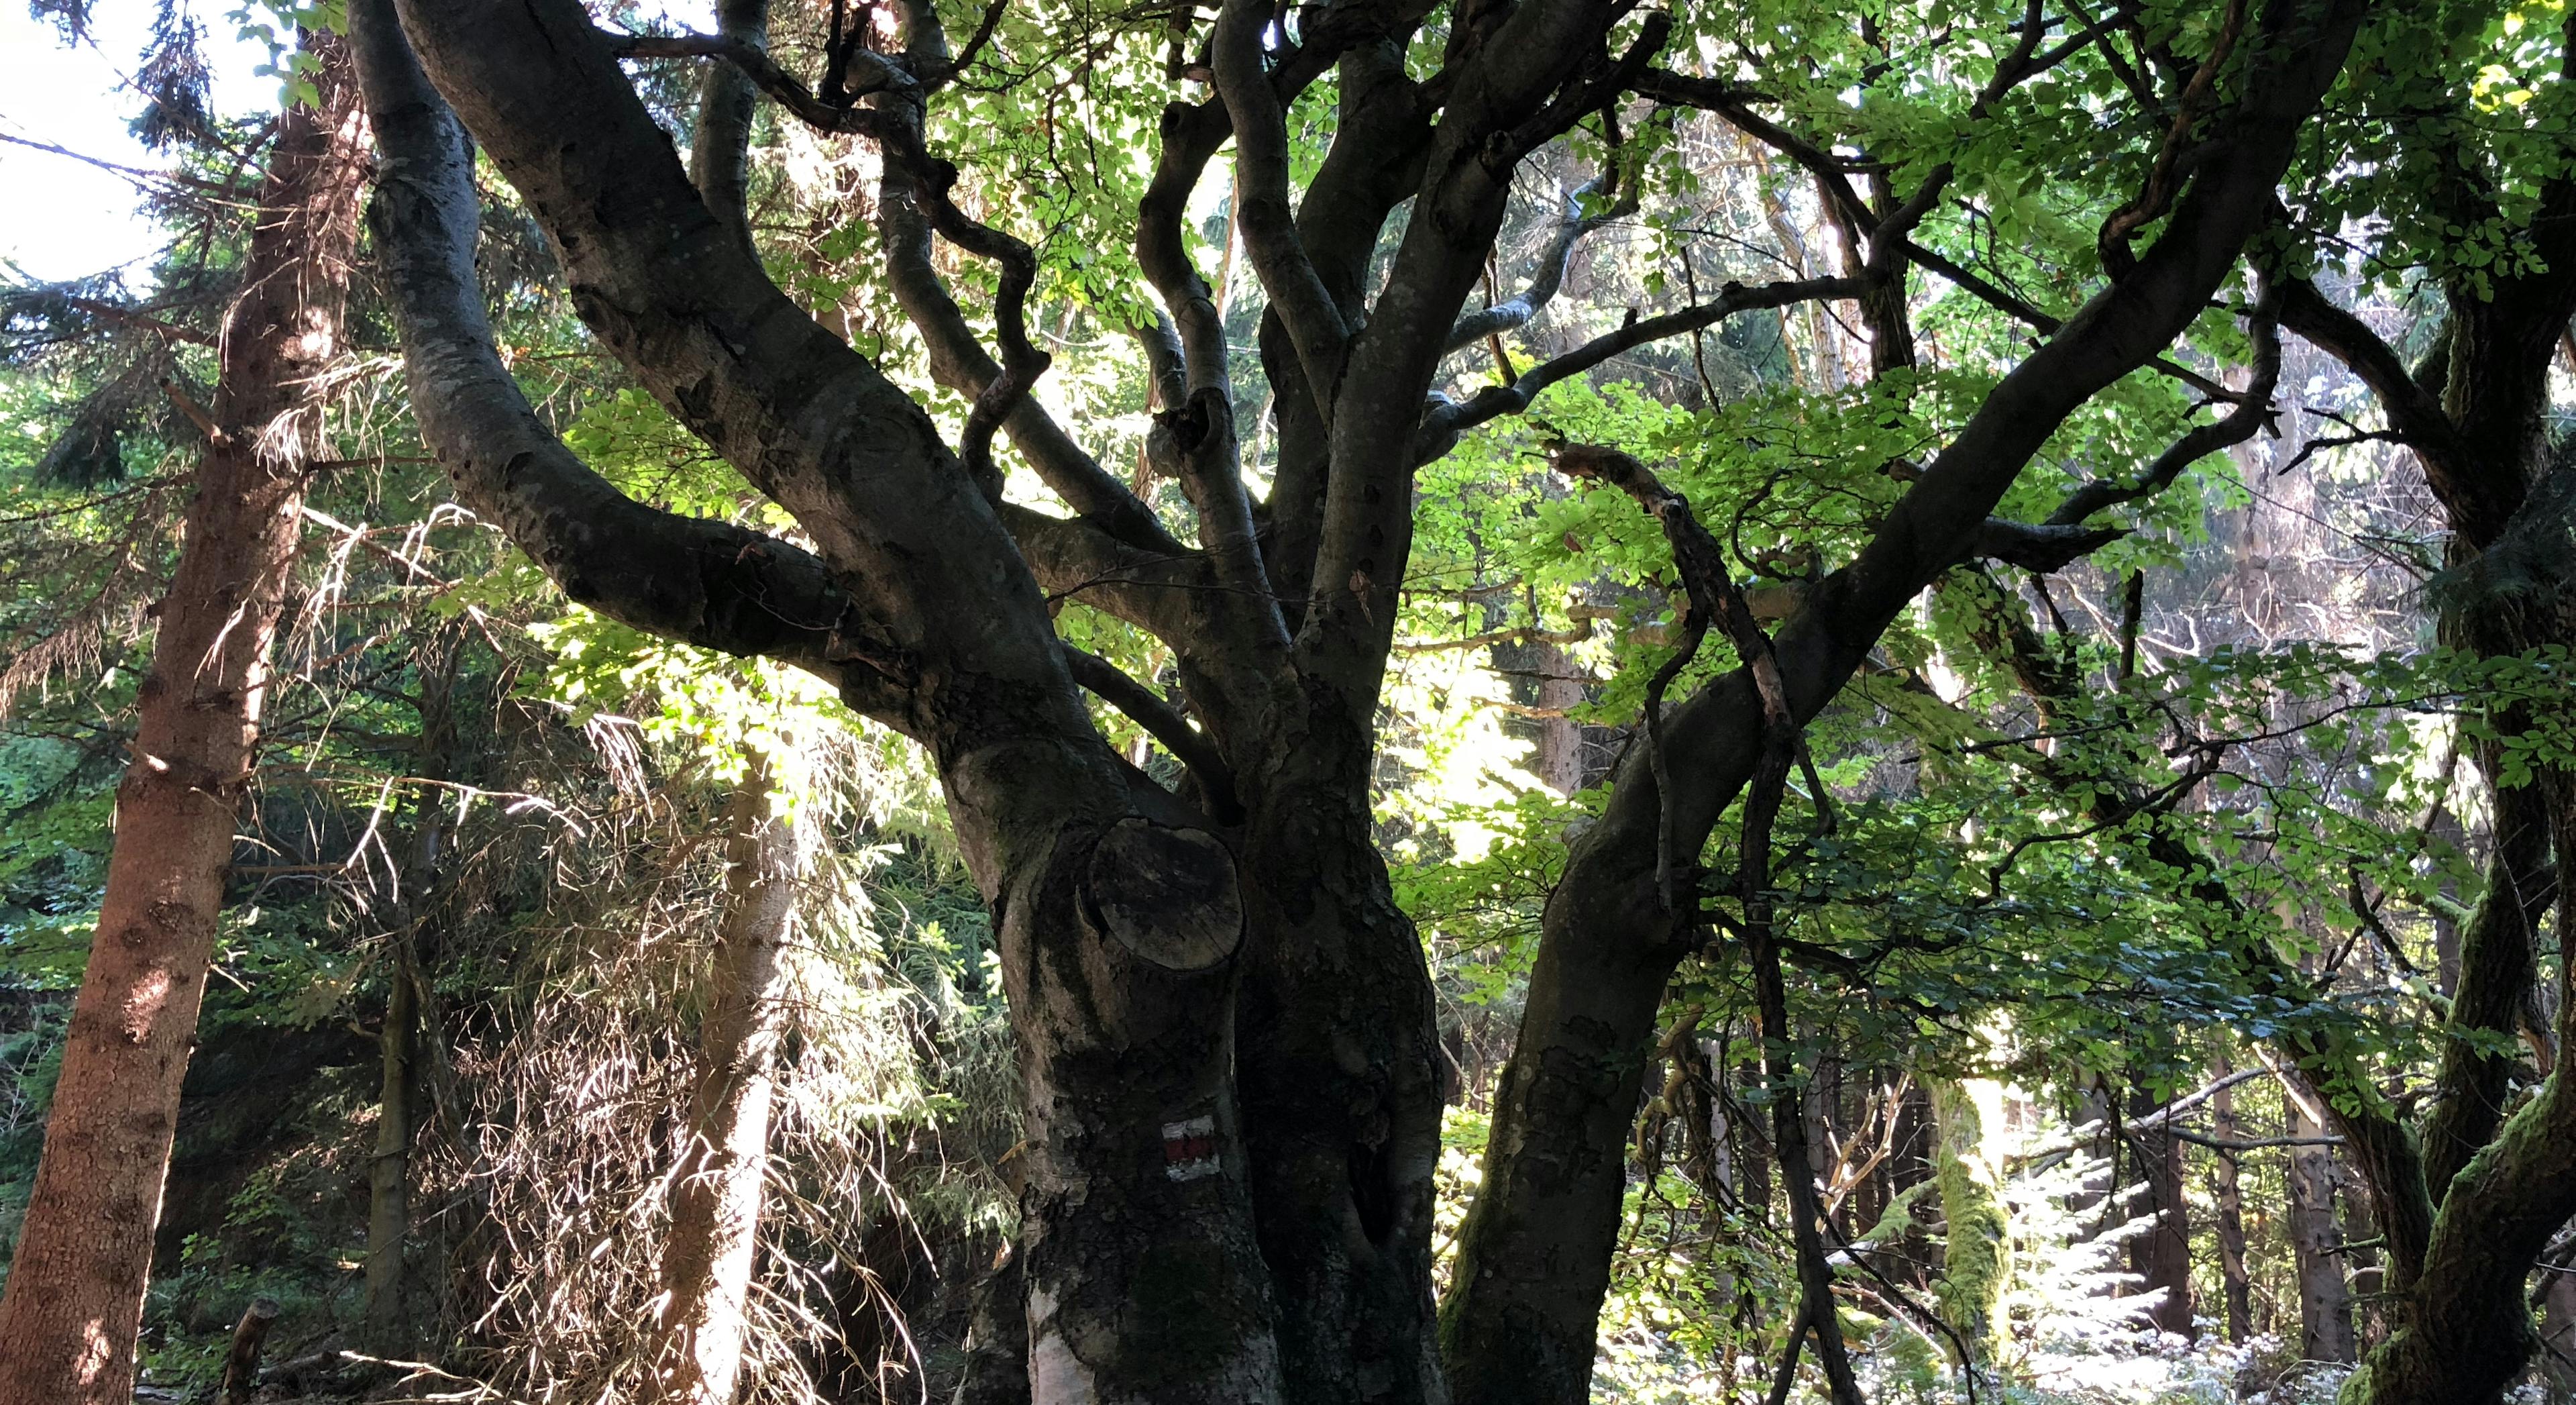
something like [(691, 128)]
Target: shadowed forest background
[(2094, 934)]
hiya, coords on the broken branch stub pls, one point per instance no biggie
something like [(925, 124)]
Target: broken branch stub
[(1169, 895)]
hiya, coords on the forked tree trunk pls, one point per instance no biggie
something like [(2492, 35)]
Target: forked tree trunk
[(715, 1199), (1120, 920), (1533, 1255), (74, 1304)]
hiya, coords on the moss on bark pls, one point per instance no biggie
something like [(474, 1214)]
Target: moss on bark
[(1967, 1166)]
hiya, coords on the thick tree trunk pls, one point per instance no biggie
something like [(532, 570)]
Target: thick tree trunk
[(2463, 1330), (707, 1263), (2476, 416), (2501, 1185), (1339, 1076), (1120, 917), (2316, 1247), (1534, 1255), (73, 1308), (1144, 1282), (2499, 965)]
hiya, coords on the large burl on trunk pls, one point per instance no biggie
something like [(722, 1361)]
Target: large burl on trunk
[(74, 1304)]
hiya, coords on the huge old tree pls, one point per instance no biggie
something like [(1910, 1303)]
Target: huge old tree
[(1232, 1090)]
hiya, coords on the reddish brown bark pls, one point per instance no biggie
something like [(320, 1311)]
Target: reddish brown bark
[(74, 1303)]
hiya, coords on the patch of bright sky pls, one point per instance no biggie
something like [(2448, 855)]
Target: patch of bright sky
[(68, 219)]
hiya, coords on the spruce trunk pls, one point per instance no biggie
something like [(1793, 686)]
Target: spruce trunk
[(386, 1316), (708, 1260), (2161, 1257), (2228, 1197), (386, 1310), (74, 1304), (2325, 1299)]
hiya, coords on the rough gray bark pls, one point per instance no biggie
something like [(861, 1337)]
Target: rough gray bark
[(2228, 1209), (1120, 909), (74, 1302), (2316, 1248), (1118, 930)]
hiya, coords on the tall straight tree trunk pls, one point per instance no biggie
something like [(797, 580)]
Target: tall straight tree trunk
[(2162, 1256), (2316, 1246), (716, 1198), (1967, 1164), (384, 1311), (386, 1308), (2229, 1196), (74, 1304)]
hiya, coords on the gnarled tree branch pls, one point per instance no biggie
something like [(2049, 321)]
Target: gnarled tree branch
[(701, 582), (1553, 261), (1444, 421), (1109, 683), (2253, 413)]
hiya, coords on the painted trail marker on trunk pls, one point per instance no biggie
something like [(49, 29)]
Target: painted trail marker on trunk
[(1189, 1149)]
